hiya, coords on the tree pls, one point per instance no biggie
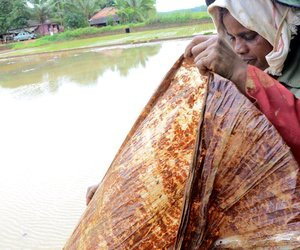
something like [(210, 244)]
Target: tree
[(5, 10), (85, 7), (19, 15), (106, 3), (75, 20), (69, 13), (58, 11), (42, 10), (13, 14), (78, 12), (135, 10)]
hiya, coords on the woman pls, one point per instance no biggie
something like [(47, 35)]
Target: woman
[(252, 50), (249, 52)]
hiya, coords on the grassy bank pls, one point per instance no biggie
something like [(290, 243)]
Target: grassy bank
[(136, 37), (156, 21), (71, 35)]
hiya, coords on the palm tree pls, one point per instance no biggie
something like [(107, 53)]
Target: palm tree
[(58, 11), (134, 10), (42, 10), (85, 7)]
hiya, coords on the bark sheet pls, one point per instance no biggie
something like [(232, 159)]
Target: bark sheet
[(201, 168)]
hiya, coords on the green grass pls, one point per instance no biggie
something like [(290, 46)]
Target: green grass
[(178, 17), (71, 35), (123, 38)]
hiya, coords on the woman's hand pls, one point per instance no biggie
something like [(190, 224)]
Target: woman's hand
[(213, 54), (90, 193)]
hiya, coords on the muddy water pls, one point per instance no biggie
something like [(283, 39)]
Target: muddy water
[(63, 118)]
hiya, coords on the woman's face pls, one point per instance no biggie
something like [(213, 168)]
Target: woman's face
[(250, 46)]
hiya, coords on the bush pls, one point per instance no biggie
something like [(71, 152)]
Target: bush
[(110, 21), (75, 20)]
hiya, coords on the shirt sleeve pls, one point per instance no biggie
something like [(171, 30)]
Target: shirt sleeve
[(278, 104)]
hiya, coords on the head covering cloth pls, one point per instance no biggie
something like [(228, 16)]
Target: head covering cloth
[(291, 3), (273, 21)]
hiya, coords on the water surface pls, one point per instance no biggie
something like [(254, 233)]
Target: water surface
[(63, 118)]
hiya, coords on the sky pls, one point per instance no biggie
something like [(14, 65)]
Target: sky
[(168, 5)]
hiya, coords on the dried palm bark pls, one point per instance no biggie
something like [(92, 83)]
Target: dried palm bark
[(216, 175), (138, 204), (243, 190)]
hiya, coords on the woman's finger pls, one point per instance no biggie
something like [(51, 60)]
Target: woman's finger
[(197, 40), (202, 65), (203, 54), (90, 193), (202, 50), (207, 60), (199, 48)]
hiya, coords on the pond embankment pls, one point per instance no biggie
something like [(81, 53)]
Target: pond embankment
[(137, 35)]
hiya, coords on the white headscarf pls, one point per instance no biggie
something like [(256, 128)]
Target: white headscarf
[(274, 22)]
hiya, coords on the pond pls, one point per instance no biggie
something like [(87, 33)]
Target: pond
[(63, 118)]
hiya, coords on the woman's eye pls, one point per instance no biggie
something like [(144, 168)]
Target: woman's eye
[(231, 38), (250, 37)]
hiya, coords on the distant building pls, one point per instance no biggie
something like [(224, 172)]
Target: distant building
[(46, 28), (104, 17)]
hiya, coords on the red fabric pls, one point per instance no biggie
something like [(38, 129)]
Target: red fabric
[(278, 104)]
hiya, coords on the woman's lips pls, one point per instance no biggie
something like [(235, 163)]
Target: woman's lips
[(249, 60)]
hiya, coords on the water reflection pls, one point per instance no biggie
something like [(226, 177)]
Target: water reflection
[(80, 67), (59, 137)]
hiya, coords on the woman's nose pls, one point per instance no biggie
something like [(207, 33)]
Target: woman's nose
[(240, 47)]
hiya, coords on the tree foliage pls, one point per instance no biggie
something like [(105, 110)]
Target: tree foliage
[(5, 10), (84, 7), (106, 3), (42, 10), (76, 13), (69, 13), (135, 10), (13, 14), (75, 20), (19, 15), (58, 11)]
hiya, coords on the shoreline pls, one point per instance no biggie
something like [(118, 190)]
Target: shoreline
[(99, 46), (136, 37)]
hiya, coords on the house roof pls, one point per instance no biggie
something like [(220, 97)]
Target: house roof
[(104, 20), (17, 31), (103, 15), (106, 12), (32, 23)]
